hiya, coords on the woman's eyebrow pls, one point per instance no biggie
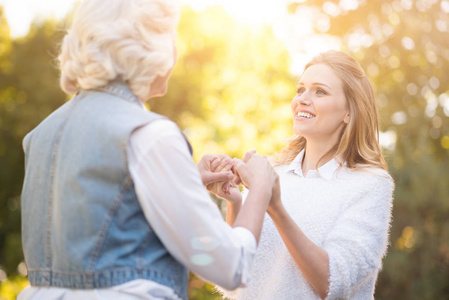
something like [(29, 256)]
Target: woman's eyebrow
[(317, 83)]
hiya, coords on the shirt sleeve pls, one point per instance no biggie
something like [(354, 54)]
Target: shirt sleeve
[(180, 210), (359, 239)]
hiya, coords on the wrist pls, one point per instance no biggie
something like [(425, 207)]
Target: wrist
[(231, 201), (276, 211), (234, 205), (260, 195), (261, 186)]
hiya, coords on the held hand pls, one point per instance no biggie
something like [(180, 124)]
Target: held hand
[(207, 175), (245, 159), (224, 189), (256, 173)]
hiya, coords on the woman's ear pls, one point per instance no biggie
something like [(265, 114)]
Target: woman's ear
[(346, 119)]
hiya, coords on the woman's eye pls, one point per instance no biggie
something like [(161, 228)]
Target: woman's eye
[(321, 92), (300, 90)]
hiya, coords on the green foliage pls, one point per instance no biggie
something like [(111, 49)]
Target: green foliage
[(10, 288), (28, 92), (200, 290)]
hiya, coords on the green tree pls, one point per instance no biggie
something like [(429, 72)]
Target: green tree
[(29, 91)]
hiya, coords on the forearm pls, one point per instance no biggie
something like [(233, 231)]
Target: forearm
[(252, 212), (312, 260), (232, 212)]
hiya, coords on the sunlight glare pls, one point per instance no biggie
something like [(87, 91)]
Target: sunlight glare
[(252, 12), (21, 13), (295, 30)]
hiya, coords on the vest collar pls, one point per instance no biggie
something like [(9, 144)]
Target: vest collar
[(121, 89)]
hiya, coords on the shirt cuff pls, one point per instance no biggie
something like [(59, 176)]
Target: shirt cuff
[(249, 244)]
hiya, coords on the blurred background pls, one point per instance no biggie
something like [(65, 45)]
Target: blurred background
[(239, 62)]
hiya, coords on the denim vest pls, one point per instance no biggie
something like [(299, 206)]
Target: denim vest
[(82, 225)]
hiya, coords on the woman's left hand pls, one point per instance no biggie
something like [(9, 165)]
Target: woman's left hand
[(227, 189), (208, 176)]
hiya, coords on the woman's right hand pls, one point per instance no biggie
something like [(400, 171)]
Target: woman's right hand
[(226, 189), (257, 172)]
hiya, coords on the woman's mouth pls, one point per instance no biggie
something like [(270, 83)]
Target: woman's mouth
[(305, 115)]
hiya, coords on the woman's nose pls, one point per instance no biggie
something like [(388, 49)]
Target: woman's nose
[(303, 99), (300, 100)]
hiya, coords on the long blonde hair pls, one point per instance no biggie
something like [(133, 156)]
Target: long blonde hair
[(358, 145)]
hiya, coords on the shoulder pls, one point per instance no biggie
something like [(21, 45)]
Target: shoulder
[(161, 134), (372, 185), (367, 176), (158, 129), (376, 177)]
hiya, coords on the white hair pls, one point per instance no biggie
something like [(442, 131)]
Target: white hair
[(130, 40)]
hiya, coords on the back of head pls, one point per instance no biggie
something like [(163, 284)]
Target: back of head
[(130, 40)]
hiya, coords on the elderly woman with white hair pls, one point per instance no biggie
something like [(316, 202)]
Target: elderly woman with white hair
[(113, 206)]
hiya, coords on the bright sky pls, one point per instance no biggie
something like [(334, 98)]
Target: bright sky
[(295, 30), (20, 13)]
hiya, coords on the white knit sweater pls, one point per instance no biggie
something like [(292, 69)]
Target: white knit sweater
[(347, 213)]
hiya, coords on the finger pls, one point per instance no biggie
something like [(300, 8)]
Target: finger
[(209, 158), (225, 165), (248, 155), (223, 156), (218, 156), (229, 165), (235, 162), (221, 176), (209, 186), (240, 170), (226, 188), (214, 165)]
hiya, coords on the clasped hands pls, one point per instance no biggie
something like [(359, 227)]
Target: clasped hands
[(221, 175)]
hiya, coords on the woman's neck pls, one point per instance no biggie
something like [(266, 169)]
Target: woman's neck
[(314, 153)]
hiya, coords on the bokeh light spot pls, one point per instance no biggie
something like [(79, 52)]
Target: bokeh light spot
[(204, 243), (445, 142), (399, 118), (407, 239), (3, 275), (202, 259), (408, 43), (22, 269)]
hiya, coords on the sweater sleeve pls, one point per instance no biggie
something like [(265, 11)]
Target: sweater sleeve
[(358, 241)]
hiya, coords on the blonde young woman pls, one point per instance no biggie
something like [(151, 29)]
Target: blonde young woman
[(113, 206), (325, 237)]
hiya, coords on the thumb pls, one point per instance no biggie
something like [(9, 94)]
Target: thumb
[(219, 176)]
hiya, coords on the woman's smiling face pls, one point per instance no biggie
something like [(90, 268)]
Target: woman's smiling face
[(320, 110)]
